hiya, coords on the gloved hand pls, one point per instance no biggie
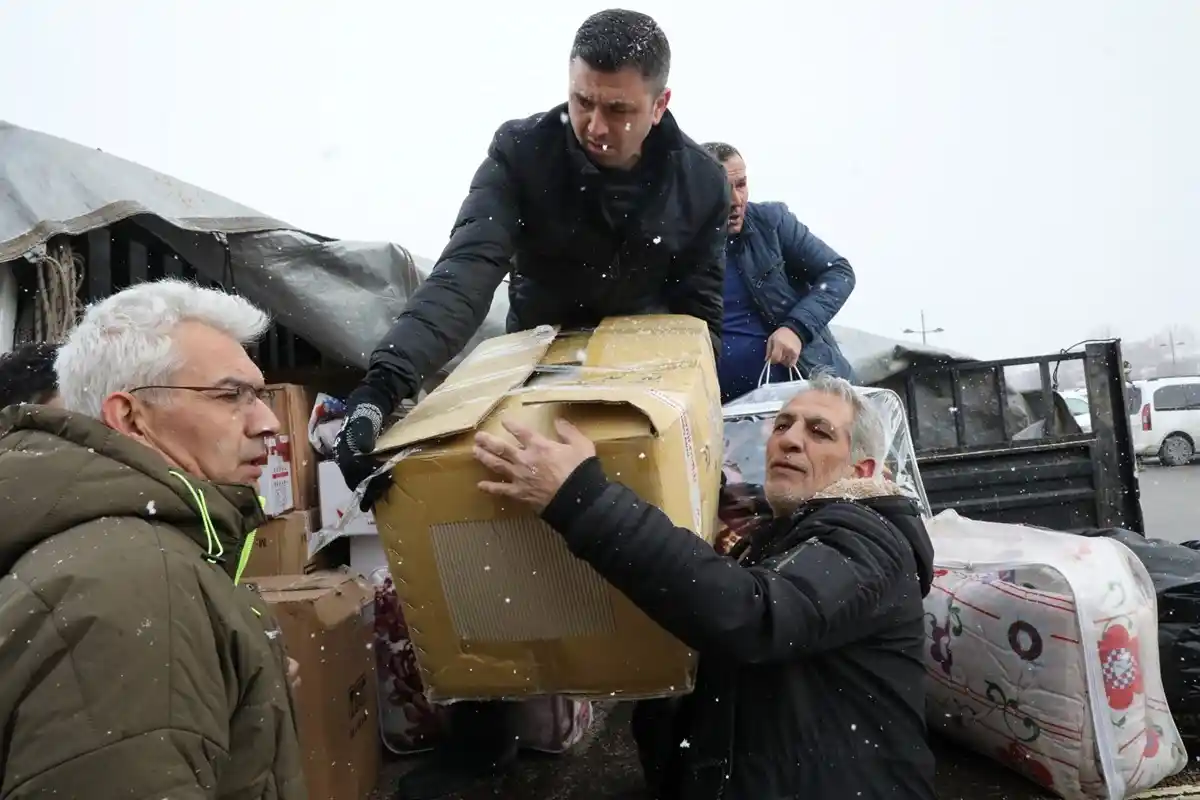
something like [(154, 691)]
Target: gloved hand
[(365, 410)]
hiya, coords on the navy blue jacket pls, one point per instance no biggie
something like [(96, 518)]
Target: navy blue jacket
[(796, 281)]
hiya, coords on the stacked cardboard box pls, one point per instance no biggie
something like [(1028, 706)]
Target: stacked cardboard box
[(293, 404), (281, 547), (325, 616), (289, 480), (496, 603), (327, 624)]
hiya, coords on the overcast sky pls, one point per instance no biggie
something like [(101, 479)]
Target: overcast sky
[(1025, 171)]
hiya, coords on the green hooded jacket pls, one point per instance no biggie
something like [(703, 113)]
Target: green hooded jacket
[(131, 664)]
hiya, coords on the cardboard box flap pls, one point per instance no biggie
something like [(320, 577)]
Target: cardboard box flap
[(331, 579), (338, 605), (662, 409), (334, 596), (473, 390), (569, 348), (630, 343)]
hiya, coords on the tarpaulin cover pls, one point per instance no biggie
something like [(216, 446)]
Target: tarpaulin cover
[(340, 296)]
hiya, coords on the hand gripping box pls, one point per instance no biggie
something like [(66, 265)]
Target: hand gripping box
[(496, 604)]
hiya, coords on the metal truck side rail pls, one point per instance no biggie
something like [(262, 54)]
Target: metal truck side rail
[(1051, 474)]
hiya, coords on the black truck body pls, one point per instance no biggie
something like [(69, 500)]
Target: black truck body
[(994, 453)]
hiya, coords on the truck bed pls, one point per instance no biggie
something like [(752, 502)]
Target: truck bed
[(1051, 474), (605, 767)]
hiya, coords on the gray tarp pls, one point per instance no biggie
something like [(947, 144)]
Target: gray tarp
[(338, 295)]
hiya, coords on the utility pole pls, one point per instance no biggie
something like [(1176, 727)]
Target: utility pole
[(1171, 343), (925, 331)]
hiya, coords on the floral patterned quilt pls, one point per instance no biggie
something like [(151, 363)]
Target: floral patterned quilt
[(1043, 654)]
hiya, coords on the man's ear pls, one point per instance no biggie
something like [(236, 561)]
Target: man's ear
[(121, 412), (865, 468), (660, 105)]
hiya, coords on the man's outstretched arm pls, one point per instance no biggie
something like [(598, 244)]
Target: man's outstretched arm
[(448, 308), (714, 605), (442, 315)]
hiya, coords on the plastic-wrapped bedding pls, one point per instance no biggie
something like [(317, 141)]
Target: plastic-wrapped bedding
[(1043, 654)]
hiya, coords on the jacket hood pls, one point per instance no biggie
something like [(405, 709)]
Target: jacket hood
[(59, 470), (886, 499)]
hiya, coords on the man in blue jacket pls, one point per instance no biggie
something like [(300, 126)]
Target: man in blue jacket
[(783, 285)]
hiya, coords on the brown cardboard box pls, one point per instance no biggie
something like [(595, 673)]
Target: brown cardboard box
[(326, 630), (293, 405), (497, 605), (281, 546)]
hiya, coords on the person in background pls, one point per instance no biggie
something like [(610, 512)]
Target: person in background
[(598, 207), (782, 288), (27, 375), (133, 664), (811, 677)]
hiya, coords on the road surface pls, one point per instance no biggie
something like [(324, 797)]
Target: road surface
[(1171, 501)]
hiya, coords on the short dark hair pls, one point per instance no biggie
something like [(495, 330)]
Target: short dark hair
[(614, 39), (720, 151), (27, 374)]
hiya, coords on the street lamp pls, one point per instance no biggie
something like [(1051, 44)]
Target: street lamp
[(924, 331), (1171, 344)]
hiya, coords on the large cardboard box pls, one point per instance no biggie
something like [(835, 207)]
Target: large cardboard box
[(281, 546), (293, 405), (497, 605), (327, 624)]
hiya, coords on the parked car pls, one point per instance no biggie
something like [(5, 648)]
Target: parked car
[(1077, 404), (1167, 425)]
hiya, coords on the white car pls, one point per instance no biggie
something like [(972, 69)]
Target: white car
[(1077, 404), (1167, 424)]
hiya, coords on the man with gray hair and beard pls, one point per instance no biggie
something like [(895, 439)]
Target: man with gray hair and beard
[(810, 637), (133, 664)]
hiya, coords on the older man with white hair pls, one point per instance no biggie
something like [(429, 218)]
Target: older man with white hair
[(133, 665), (811, 676)]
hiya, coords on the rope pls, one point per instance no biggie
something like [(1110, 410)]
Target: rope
[(57, 307)]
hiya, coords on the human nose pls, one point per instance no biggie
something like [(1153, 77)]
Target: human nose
[(792, 439), (597, 126), (261, 420)]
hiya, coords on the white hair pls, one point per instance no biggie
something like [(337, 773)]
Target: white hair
[(866, 429), (126, 340)]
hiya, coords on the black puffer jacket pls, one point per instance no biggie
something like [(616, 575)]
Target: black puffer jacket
[(537, 207), (811, 681)]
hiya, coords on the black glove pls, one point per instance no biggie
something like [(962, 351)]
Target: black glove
[(365, 411)]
